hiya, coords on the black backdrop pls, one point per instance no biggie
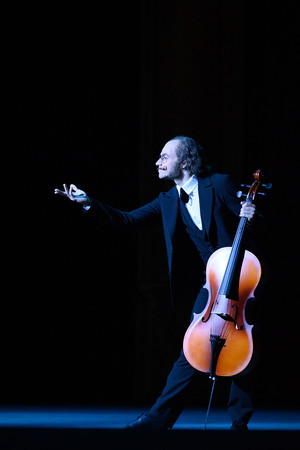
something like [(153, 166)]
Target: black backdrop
[(90, 97)]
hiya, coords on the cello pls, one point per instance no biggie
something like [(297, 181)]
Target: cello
[(219, 339)]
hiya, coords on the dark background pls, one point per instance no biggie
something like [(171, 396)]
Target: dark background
[(90, 97)]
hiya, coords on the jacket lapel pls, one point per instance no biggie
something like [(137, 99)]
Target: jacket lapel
[(169, 211), (206, 200)]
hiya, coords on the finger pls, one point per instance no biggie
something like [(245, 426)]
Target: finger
[(59, 192), (72, 188), (247, 212), (247, 216), (66, 190), (248, 207)]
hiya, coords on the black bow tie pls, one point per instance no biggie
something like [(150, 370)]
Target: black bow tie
[(184, 196)]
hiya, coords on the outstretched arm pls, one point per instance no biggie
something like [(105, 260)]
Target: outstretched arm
[(111, 216)]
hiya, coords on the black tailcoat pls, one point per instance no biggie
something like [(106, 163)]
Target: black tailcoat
[(219, 208)]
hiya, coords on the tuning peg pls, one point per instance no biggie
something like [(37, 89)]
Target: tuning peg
[(267, 186), (240, 194)]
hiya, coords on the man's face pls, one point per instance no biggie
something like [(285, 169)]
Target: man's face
[(168, 165)]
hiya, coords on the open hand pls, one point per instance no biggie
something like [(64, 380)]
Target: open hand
[(74, 194)]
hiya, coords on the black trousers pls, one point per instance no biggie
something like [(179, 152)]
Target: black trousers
[(171, 402)]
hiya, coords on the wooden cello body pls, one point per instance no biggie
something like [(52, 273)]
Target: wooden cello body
[(222, 325), (219, 340)]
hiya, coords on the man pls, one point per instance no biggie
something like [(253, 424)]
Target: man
[(199, 215)]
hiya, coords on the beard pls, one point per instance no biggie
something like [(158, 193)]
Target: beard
[(176, 172)]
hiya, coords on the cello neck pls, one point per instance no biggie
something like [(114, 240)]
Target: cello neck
[(229, 285), (230, 282)]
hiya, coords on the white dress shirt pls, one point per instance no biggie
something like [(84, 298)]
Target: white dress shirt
[(193, 205)]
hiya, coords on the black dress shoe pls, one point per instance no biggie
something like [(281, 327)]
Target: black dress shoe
[(239, 425), (146, 422)]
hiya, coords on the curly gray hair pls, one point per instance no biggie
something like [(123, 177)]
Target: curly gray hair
[(192, 153)]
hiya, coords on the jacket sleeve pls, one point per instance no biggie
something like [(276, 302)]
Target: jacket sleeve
[(126, 221)]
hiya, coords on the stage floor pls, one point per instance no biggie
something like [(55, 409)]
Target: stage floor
[(117, 418), (100, 428)]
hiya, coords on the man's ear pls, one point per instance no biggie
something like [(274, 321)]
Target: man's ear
[(184, 165)]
